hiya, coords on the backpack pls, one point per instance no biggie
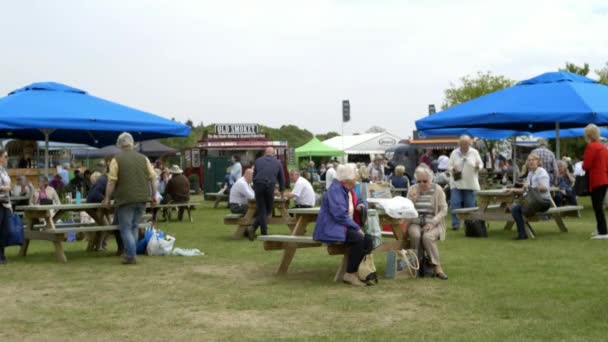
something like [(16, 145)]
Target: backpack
[(367, 270), (475, 228)]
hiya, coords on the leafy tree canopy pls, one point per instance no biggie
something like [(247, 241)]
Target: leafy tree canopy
[(474, 87)]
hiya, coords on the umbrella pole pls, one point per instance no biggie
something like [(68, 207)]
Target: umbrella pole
[(557, 149), (47, 133)]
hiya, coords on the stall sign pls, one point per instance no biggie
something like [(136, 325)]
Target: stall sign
[(238, 131), (196, 157), (291, 156)]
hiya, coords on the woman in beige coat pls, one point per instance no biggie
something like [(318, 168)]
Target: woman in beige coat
[(423, 232)]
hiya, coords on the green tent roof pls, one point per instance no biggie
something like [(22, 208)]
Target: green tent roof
[(315, 148)]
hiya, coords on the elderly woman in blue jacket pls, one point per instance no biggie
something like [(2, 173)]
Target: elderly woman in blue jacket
[(337, 221)]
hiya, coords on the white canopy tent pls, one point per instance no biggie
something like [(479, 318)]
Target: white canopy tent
[(369, 143)]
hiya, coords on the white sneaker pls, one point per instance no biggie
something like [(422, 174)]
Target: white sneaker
[(594, 233), (600, 237)]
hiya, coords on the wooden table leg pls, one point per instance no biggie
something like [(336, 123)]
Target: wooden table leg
[(509, 225), (290, 248), (59, 254), (342, 269), (29, 226), (560, 222)]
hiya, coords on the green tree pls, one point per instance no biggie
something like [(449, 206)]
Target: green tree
[(603, 74), (474, 87), (573, 68), (327, 135)]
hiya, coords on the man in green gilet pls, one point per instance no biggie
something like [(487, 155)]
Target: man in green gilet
[(132, 181)]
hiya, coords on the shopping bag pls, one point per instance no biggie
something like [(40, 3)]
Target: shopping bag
[(15, 231)]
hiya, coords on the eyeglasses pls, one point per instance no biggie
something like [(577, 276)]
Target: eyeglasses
[(422, 181)]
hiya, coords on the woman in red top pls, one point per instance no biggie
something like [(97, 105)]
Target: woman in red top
[(595, 163)]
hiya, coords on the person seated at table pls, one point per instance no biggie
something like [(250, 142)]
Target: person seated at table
[(96, 195), (399, 180), (98, 189), (45, 194), (565, 182), (538, 179), (302, 193), (424, 231), (23, 188), (337, 221), (177, 190), (77, 183), (241, 192), (57, 183), (508, 173)]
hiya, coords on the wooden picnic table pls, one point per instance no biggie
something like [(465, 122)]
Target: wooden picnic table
[(279, 215), (50, 231), (495, 205), (300, 221)]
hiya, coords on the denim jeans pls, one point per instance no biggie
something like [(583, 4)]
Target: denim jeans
[(129, 216), (460, 199), (518, 217)]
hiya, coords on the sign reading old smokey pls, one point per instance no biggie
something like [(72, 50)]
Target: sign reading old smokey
[(239, 131)]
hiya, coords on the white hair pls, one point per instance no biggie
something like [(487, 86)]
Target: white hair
[(346, 172), (424, 169), (125, 140), (464, 137)]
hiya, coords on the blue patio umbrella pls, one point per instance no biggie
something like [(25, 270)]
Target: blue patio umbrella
[(548, 101), (54, 111), (498, 134)]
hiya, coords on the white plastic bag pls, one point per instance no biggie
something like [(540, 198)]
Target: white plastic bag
[(397, 207), (160, 246)]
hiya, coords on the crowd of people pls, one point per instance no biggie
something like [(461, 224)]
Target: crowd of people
[(131, 181)]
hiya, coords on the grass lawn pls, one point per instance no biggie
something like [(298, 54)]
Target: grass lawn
[(553, 288)]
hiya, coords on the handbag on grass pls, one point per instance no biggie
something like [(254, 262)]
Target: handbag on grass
[(367, 270)]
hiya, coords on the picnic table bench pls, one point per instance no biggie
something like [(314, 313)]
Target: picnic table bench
[(279, 215), (304, 216), (495, 205), (51, 230), (167, 208), (217, 197)]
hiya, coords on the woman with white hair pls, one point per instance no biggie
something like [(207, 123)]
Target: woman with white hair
[(424, 231), (338, 222)]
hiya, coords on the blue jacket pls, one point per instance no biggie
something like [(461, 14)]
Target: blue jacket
[(333, 216)]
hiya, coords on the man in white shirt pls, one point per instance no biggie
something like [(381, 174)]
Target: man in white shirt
[(241, 192), (302, 192), (464, 166), (330, 174)]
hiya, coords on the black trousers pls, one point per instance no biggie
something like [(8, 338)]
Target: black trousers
[(354, 240), (264, 199), (5, 221), (302, 206), (597, 200)]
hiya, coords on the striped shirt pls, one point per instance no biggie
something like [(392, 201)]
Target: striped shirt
[(424, 206)]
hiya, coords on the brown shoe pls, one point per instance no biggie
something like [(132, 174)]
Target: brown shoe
[(353, 279), (440, 274)]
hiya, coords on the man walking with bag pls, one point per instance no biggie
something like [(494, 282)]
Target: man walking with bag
[(267, 171)]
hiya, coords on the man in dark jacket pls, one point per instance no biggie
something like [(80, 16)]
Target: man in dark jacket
[(177, 190), (267, 170)]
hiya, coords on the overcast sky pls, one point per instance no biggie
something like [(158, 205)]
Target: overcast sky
[(291, 62)]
